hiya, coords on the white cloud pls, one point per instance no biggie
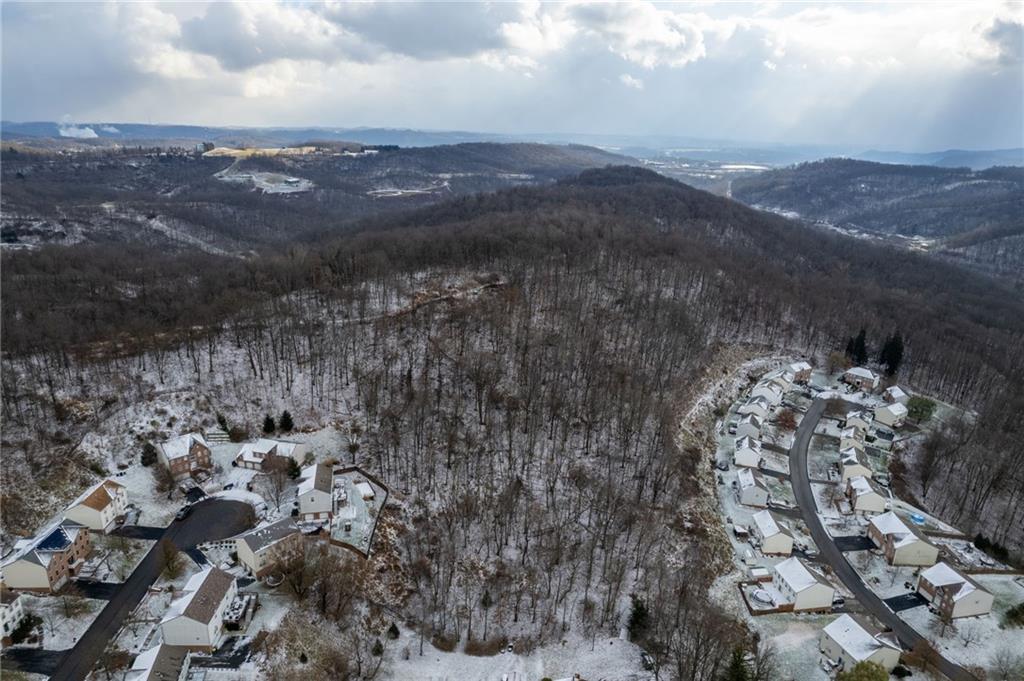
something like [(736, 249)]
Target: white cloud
[(631, 82), (770, 65), (77, 132)]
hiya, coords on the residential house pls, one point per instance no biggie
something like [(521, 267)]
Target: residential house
[(780, 377), (11, 613), (894, 394), (851, 437), (892, 415), (758, 406), (195, 620), (953, 593), (902, 543), (752, 490), (769, 391), (259, 548), (861, 420), (162, 662), (801, 371), (775, 539), (316, 493), (47, 561), (805, 589), (854, 464), (100, 506), (851, 639), (749, 426), (185, 454), (365, 490), (865, 495), (861, 378), (747, 452), (264, 453)]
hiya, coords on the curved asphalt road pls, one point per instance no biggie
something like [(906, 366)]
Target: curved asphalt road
[(210, 519), (831, 553)]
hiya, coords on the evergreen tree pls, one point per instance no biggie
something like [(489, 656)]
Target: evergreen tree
[(148, 454), (849, 348), (378, 648), (294, 470), (860, 348), (393, 631), (286, 422), (737, 669), (222, 422), (892, 354), (268, 424), (638, 618)]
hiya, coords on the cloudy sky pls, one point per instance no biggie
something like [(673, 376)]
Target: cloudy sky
[(906, 76)]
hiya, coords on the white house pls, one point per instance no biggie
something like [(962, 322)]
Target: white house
[(859, 419), (99, 506), (769, 391), (775, 538), (48, 560), (854, 464), (865, 496), (850, 639), (255, 455), (11, 613), (892, 415), (851, 437), (780, 377), (801, 371), (758, 406), (752, 490), (802, 587), (954, 594), (895, 394), (749, 426), (160, 663), (902, 544), (259, 548), (859, 377), (196, 619), (316, 492), (747, 452)]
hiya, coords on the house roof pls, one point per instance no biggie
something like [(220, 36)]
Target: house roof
[(942, 575), (860, 414), (318, 476), (99, 496), (858, 638), (56, 538), (896, 409), (747, 442), (159, 663), (798, 576), (178, 447), (203, 593), (896, 392), (749, 478), (768, 524), (890, 524), (799, 366), (753, 419), (263, 537), (851, 456), (862, 485), (862, 372), (256, 451)]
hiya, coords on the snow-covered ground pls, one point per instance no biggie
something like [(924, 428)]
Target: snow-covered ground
[(61, 631)]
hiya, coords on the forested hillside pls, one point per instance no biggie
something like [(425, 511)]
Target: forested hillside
[(965, 215), (516, 363)]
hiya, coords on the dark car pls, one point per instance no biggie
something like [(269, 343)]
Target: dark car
[(183, 513), (722, 466)]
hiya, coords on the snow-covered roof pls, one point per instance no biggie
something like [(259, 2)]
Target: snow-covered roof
[(856, 636), (852, 434), (753, 419), (159, 663), (747, 442), (851, 456), (896, 409), (895, 392), (798, 576), (768, 525), (56, 538), (797, 367), (860, 414), (942, 575), (861, 372), (862, 485), (889, 524), (256, 452), (749, 478), (317, 476), (178, 447), (365, 489), (265, 536)]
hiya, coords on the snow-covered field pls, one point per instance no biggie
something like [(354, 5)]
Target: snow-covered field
[(64, 619)]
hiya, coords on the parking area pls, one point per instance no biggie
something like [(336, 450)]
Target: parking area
[(905, 602)]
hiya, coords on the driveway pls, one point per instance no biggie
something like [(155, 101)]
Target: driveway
[(854, 543), (906, 601), (32, 660), (831, 553), (210, 519), (139, 532)]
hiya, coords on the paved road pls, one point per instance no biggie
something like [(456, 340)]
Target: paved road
[(210, 519), (831, 553)]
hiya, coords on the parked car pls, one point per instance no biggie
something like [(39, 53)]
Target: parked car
[(230, 485), (183, 513), (722, 465)]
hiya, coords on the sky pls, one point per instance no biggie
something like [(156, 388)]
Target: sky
[(903, 76)]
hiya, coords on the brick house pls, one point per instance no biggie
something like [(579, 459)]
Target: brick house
[(185, 454)]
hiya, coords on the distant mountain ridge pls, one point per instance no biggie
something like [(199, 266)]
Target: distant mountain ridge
[(950, 158)]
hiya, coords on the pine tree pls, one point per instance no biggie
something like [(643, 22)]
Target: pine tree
[(892, 354), (393, 631), (378, 648), (268, 424), (860, 349), (149, 454), (737, 669), (294, 470), (286, 422), (638, 618)]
